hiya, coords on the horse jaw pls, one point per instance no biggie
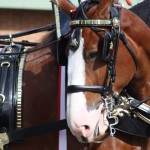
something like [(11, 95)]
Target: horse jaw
[(82, 121)]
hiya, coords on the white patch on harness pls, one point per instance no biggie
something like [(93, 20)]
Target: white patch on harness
[(62, 133)]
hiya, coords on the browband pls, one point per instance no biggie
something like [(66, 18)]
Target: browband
[(115, 22)]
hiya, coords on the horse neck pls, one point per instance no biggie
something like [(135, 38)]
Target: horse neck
[(138, 35)]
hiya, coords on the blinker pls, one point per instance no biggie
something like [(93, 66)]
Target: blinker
[(107, 46), (61, 46), (75, 39)]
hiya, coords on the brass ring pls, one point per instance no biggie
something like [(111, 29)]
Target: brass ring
[(5, 63)]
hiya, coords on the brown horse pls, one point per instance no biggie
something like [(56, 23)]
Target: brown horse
[(88, 62), (40, 90)]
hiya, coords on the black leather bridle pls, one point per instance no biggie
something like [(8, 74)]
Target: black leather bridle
[(100, 25)]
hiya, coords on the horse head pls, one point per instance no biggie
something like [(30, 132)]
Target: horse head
[(100, 65)]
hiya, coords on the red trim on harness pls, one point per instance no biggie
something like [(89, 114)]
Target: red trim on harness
[(73, 10), (129, 2), (58, 98)]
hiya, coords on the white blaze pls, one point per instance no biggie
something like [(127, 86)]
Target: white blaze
[(77, 113), (76, 76), (76, 66)]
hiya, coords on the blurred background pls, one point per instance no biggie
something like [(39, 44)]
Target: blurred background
[(20, 15)]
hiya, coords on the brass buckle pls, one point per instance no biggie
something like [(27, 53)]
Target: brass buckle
[(3, 140)]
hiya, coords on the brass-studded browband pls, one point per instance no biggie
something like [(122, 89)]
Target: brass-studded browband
[(115, 22)]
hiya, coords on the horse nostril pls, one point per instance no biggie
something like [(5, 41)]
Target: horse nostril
[(86, 127), (84, 139)]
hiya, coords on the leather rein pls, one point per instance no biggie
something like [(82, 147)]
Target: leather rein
[(8, 40)]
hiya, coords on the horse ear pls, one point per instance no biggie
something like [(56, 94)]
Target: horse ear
[(103, 8), (66, 6)]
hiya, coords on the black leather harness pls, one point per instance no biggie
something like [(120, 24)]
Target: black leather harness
[(8, 87), (12, 58)]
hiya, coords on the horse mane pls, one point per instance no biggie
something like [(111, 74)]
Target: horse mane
[(143, 11), (47, 39)]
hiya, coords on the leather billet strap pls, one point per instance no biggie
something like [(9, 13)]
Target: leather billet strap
[(23, 133), (125, 42), (48, 27)]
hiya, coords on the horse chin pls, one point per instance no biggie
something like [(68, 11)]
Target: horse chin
[(98, 133), (91, 139), (99, 128)]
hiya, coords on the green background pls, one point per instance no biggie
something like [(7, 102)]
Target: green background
[(40, 4)]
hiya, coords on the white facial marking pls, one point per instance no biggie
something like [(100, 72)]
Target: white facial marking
[(77, 112), (76, 76), (76, 66)]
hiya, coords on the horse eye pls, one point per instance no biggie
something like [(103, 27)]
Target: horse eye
[(91, 55)]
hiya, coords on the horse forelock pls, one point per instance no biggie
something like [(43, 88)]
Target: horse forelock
[(97, 11), (47, 39)]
